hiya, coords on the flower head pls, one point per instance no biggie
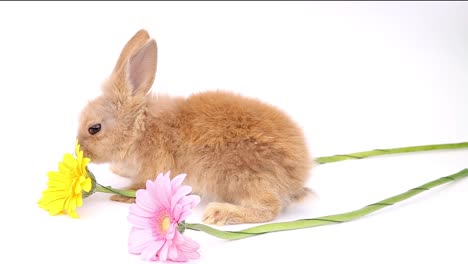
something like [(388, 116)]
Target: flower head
[(156, 215), (65, 186)]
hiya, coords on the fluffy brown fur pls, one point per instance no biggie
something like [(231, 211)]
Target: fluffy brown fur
[(247, 156)]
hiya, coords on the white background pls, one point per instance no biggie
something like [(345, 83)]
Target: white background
[(355, 76)]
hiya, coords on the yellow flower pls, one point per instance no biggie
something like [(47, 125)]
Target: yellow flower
[(66, 186)]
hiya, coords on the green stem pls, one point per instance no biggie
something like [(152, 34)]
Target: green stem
[(325, 220), (378, 152), (108, 189)]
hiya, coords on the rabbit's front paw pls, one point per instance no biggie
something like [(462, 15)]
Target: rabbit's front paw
[(222, 214), (122, 199)]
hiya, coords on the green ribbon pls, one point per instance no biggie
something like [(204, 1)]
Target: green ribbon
[(108, 189), (96, 187), (325, 220), (379, 152)]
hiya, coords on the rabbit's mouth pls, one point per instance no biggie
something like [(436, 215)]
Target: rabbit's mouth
[(88, 154)]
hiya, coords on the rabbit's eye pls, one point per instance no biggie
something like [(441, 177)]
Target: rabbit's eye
[(94, 129)]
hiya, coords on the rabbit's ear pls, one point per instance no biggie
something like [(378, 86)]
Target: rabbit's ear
[(138, 40), (135, 69), (141, 69)]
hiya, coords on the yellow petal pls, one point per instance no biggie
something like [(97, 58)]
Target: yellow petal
[(55, 212), (54, 207), (54, 194), (69, 161), (79, 201), (77, 148), (66, 205), (55, 175), (71, 206), (78, 188), (73, 214), (87, 185)]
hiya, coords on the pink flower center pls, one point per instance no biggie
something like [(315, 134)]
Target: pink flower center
[(163, 220)]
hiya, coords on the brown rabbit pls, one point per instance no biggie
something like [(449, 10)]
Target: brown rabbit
[(249, 157)]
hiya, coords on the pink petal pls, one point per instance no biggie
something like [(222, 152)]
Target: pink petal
[(171, 231), (189, 200), (187, 248), (150, 184), (186, 203), (141, 222), (150, 252), (194, 200), (177, 181), (164, 250), (139, 239), (152, 188), (162, 193), (192, 255), (179, 238), (184, 215), (167, 175), (139, 211), (187, 209), (163, 180), (179, 194), (143, 199), (173, 252), (177, 212), (188, 244)]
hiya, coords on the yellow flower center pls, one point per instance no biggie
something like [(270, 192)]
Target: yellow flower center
[(165, 223)]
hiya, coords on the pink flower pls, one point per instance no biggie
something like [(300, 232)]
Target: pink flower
[(155, 218)]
